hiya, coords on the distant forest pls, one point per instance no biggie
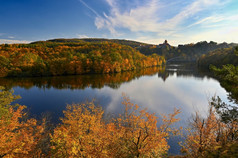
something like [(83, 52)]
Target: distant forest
[(54, 58), (219, 57), (224, 64), (95, 55), (186, 52)]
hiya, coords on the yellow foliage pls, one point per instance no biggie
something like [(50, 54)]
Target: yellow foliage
[(18, 138), (208, 135), (84, 133)]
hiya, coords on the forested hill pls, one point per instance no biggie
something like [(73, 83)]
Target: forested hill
[(133, 44), (219, 57), (224, 64), (185, 52), (56, 58)]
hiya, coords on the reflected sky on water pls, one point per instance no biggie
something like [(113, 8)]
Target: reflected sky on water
[(158, 90)]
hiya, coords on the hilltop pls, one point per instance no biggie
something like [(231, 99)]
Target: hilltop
[(189, 52), (133, 44)]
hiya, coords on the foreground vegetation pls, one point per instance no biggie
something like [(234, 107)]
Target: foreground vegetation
[(84, 132), (54, 59), (216, 135), (19, 135)]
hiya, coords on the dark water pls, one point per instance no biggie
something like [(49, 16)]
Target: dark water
[(160, 90)]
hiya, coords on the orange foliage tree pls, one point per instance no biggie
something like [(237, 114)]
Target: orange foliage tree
[(18, 137), (135, 133), (81, 134), (201, 136), (211, 136), (54, 59)]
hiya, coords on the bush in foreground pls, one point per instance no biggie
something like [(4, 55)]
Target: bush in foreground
[(84, 133)]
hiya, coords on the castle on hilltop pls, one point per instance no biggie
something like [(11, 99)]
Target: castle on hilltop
[(164, 45)]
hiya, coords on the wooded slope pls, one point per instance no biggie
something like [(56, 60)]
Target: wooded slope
[(55, 58)]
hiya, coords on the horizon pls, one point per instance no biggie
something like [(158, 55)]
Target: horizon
[(29, 42), (152, 22)]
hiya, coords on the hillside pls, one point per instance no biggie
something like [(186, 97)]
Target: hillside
[(219, 57), (55, 58), (189, 52), (224, 64)]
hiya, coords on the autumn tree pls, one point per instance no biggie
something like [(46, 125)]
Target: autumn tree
[(19, 136), (214, 135), (4, 66), (81, 134), (201, 137), (138, 133), (50, 58), (135, 133)]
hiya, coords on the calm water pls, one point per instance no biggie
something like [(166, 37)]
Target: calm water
[(159, 90)]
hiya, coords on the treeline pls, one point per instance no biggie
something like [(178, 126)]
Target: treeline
[(194, 51), (219, 57), (55, 58), (190, 52), (186, 52), (133, 44), (228, 77), (224, 64)]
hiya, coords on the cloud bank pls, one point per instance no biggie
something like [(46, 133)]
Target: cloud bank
[(166, 19), (8, 41)]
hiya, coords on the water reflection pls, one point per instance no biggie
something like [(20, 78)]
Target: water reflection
[(159, 90), (79, 82)]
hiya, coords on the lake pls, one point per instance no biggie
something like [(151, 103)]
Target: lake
[(160, 90)]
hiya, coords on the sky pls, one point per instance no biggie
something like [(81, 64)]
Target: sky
[(149, 21)]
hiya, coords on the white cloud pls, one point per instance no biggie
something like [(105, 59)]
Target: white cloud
[(155, 90), (82, 36), (224, 34), (7, 41), (184, 23), (220, 28), (215, 21), (146, 18), (142, 18), (150, 40), (11, 37), (86, 5)]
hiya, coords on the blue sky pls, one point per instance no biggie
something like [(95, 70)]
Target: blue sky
[(150, 21)]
